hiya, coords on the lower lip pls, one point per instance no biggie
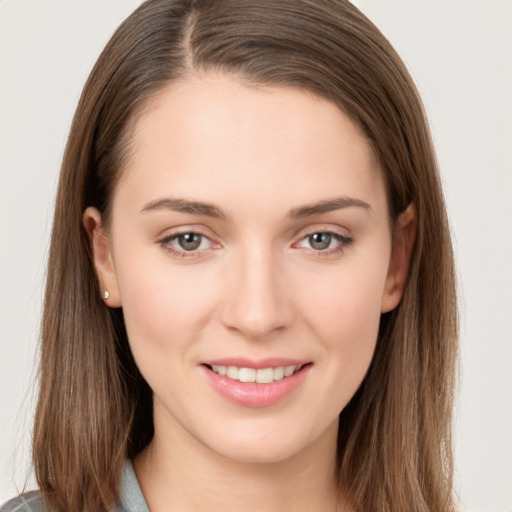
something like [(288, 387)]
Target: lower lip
[(253, 394)]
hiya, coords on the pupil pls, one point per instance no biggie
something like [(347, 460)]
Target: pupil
[(320, 241), (189, 241)]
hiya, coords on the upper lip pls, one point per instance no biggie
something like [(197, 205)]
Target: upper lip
[(268, 362)]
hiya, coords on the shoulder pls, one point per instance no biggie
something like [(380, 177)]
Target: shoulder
[(28, 502), (131, 498)]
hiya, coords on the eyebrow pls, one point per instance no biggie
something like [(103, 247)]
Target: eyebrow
[(327, 206), (185, 206), (209, 210)]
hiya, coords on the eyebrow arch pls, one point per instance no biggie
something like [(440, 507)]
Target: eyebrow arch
[(185, 206), (328, 206)]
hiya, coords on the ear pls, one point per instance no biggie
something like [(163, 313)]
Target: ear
[(101, 255), (403, 244)]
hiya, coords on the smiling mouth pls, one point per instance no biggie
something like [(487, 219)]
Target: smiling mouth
[(260, 375)]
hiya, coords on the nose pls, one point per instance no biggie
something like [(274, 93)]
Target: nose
[(257, 302)]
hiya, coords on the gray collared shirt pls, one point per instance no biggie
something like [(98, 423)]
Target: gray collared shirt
[(130, 497)]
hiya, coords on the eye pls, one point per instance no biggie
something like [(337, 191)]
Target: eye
[(190, 241), (320, 241), (324, 241), (187, 243)]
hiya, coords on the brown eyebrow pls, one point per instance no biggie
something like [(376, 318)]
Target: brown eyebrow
[(328, 206), (209, 210), (185, 206)]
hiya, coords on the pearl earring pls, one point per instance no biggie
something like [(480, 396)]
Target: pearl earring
[(106, 294)]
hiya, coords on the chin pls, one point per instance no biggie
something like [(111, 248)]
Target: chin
[(251, 453), (272, 445)]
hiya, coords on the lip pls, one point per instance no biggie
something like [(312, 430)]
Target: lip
[(253, 394)]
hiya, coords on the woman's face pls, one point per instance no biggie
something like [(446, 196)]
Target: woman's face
[(249, 236)]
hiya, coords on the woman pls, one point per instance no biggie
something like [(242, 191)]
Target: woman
[(250, 299)]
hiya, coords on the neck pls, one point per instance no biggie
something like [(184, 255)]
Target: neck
[(180, 473)]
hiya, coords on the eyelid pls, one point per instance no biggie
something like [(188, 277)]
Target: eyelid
[(323, 228)]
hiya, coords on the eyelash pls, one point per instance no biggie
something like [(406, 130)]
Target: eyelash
[(343, 242)]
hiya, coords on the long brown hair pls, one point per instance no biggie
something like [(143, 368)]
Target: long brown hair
[(94, 408)]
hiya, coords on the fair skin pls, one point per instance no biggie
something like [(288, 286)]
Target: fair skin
[(293, 261)]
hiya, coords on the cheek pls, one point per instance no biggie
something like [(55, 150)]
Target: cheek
[(349, 296), (165, 309), (164, 305), (345, 311)]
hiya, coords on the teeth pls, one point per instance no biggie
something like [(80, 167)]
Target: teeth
[(265, 375), (261, 376), (247, 375), (278, 373), (233, 372), (289, 370)]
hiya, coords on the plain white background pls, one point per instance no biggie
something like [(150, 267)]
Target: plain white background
[(460, 54)]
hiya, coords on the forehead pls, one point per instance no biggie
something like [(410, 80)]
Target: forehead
[(216, 139)]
